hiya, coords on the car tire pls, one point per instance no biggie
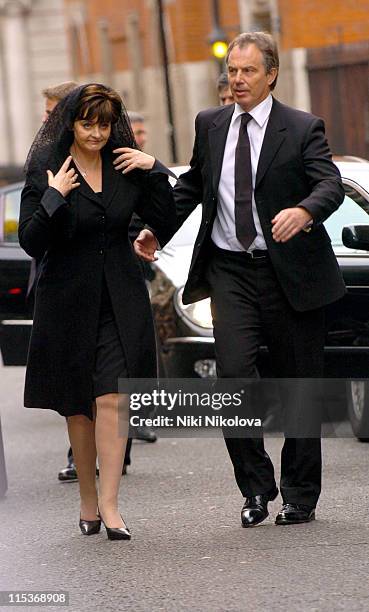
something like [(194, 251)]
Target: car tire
[(358, 408)]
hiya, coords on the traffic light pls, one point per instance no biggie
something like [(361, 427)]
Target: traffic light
[(217, 37), (219, 44), (219, 49)]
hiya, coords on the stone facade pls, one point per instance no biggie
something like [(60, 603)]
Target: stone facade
[(34, 55)]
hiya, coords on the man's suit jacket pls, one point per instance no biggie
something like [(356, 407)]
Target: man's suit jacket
[(295, 168)]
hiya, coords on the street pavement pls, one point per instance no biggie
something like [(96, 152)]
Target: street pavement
[(188, 550)]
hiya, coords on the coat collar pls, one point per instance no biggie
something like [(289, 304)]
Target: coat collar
[(217, 141), (110, 178), (273, 139), (109, 182), (275, 134)]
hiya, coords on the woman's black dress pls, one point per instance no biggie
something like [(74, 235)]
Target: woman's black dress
[(92, 321), (110, 364)]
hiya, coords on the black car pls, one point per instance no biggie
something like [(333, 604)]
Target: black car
[(15, 312), (357, 237), (188, 347)]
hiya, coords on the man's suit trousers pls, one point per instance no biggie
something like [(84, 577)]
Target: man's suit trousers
[(249, 308)]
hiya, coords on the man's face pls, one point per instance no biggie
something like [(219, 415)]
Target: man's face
[(225, 96), (140, 133), (248, 80), (50, 104)]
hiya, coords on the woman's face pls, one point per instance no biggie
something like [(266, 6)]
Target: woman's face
[(91, 135)]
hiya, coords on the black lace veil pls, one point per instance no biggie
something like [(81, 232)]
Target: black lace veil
[(54, 138)]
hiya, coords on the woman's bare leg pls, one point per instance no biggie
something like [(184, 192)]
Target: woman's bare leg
[(82, 439), (111, 438)]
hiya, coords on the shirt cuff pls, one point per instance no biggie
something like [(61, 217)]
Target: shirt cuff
[(52, 200), (307, 228)]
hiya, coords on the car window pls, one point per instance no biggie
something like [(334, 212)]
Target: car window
[(352, 211), (11, 215), (187, 233)]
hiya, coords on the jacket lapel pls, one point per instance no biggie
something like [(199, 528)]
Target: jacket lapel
[(273, 139), (85, 188), (217, 141), (110, 178)]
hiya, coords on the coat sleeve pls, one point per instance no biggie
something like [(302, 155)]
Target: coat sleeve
[(135, 227), (156, 206), (327, 192), (188, 191), (39, 215)]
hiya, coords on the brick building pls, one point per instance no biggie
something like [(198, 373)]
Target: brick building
[(324, 61), (118, 43), (336, 63)]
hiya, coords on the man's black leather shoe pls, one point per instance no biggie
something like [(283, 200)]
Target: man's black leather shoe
[(68, 473), (146, 434), (290, 514), (255, 509)]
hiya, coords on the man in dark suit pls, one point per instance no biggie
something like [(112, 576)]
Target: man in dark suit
[(264, 174)]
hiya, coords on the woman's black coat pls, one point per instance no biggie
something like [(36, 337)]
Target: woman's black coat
[(82, 239)]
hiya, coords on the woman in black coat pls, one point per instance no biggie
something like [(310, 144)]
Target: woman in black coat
[(92, 320)]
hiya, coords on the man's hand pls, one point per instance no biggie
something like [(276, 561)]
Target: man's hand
[(64, 180), (288, 222), (129, 159), (145, 245)]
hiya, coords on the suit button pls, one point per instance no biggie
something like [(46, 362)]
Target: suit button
[(198, 245), (101, 252), (207, 222)]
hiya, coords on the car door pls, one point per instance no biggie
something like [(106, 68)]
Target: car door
[(347, 340), (15, 312)]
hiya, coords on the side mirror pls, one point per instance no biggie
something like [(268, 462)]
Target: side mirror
[(356, 237)]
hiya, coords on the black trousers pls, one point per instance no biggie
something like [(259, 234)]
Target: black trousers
[(248, 308)]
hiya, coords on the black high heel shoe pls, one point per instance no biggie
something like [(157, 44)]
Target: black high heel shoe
[(117, 533), (89, 527)]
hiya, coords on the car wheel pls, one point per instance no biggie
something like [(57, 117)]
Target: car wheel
[(358, 408)]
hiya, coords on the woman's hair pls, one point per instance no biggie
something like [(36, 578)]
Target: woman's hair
[(94, 102), (98, 103)]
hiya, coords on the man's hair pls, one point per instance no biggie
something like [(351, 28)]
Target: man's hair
[(135, 117), (222, 81), (265, 43), (58, 92)]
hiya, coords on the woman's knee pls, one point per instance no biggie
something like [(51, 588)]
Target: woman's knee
[(113, 403), (79, 420)]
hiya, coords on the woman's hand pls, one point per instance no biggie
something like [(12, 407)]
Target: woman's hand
[(64, 180), (129, 159), (145, 245)]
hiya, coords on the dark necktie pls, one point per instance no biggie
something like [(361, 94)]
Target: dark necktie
[(245, 227)]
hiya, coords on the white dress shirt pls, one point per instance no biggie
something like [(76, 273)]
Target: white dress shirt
[(224, 228)]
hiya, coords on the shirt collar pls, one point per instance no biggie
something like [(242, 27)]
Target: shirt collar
[(259, 113)]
